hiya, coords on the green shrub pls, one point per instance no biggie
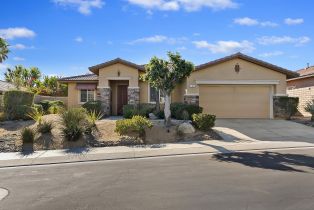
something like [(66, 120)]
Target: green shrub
[(146, 108), (38, 107), (309, 107), (285, 106), (160, 114), (17, 104), (142, 109), (55, 109), (73, 120), (45, 127), (91, 106), (46, 104), (178, 109), (137, 124), (203, 122), (129, 111), (28, 135)]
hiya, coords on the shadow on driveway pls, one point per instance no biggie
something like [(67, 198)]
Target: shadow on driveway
[(269, 160)]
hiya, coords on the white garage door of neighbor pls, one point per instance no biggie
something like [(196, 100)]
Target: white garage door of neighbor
[(236, 101)]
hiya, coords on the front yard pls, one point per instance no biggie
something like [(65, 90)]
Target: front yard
[(103, 135)]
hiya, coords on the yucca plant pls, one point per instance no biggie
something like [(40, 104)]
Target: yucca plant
[(93, 116), (73, 121), (45, 127), (36, 115), (309, 107), (28, 135)]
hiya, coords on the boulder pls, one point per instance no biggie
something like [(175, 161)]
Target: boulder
[(152, 116), (186, 128)]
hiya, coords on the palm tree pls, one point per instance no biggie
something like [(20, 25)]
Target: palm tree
[(4, 50)]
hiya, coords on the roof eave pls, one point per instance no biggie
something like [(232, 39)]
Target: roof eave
[(288, 73)]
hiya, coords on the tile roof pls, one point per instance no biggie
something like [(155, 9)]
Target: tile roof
[(290, 74), (84, 77), (306, 71), (5, 86), (96, 68)]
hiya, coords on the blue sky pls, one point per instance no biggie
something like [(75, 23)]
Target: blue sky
[(65, 37)]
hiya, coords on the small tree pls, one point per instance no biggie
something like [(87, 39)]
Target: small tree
[(164, 75), (309, 107)]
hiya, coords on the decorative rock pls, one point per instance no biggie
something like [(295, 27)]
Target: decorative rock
[(186, 128), (152, 116)]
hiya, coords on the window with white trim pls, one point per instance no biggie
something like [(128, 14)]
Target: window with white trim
[(87, 95), (153, 93)]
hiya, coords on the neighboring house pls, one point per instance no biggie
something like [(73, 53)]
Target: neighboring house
[(236, 86), (302, 87), (5, 86)]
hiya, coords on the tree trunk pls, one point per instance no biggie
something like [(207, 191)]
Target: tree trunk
[(312, 118), (167, 110), (157, 102)]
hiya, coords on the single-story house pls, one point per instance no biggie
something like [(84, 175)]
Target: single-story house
[(302, 87), (236, 86)]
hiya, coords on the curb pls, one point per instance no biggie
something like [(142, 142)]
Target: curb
[(146, 156)]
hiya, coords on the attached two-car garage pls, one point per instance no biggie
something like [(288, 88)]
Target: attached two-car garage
[(236, 101)]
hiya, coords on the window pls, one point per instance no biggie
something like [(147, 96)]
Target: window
[(153, 93), (87, 95)]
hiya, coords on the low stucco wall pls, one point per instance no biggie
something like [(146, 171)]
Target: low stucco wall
[(39, 98), (304, 94)]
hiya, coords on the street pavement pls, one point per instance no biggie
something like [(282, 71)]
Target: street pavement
[(273, 179)]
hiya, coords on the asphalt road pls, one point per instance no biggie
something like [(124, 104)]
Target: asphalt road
[(267, 180)]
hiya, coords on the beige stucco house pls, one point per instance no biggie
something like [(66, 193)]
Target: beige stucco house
[(236, 86)]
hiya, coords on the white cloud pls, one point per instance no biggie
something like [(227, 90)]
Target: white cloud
[(18, 58), (83, 6), (21, 47), (290, 21), (78, 39), (159, 39), (268, 24), (246, 21), (18, 46), (188, 5), (226, 46), (18, 32), (271, 40), (271, 54)]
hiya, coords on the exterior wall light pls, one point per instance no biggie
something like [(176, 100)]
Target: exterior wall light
[(237, 68)]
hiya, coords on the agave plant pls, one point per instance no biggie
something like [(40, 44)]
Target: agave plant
[(309, 107)]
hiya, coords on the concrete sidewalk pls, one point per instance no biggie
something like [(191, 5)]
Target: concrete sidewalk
[(131, 152)]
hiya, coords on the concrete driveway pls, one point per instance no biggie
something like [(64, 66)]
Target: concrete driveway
[(266, 130)]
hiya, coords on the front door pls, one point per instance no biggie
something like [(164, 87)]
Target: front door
[(122, 95)]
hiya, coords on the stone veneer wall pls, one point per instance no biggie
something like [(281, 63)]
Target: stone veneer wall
[(133, 96), (104, 95), (191, 99), (305, 94)]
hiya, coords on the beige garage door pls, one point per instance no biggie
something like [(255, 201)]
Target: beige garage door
[(235, 101)]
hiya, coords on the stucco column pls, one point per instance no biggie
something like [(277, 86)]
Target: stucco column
[(105, 98), (134, 95)]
